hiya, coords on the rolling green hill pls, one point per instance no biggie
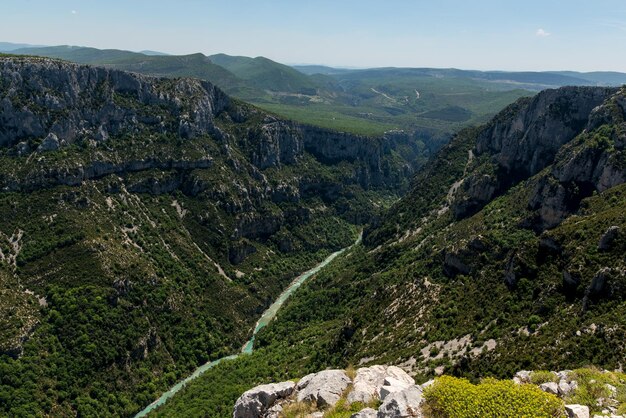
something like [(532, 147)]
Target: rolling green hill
[(267, 75), (80, 54)]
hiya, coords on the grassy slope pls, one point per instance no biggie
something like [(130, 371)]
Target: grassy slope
[(377, 104)]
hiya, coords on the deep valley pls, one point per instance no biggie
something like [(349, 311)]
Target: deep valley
[(308, 241)]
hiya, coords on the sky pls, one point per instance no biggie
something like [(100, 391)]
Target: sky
[(516, 35)]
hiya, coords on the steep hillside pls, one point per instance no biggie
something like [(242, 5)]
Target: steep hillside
[(81, 54), (147, 222), (507, 254), (481, 164)]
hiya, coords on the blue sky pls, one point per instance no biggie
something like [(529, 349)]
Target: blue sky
[(470, 34)]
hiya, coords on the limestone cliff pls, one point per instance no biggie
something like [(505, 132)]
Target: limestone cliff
[(524, 139)]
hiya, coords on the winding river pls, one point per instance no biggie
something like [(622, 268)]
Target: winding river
[(265, 319)]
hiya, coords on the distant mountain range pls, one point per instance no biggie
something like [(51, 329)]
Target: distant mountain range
[(262, 71), (533, 80), (428, 103), (8, 46)]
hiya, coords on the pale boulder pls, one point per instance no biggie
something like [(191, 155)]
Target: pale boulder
[(325, 388), (522, 376), (369, 381), (550, 387), (577, 411), (392, 385), (255, 402), (403, 404), (567, 388)]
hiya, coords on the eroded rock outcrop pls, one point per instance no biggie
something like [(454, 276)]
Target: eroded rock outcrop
[(528, 141), (577, 411), (591, 164), (366, 413), (415, 401), (67, 102), (65, 124), (323, 390)]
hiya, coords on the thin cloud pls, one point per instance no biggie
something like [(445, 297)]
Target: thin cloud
[(74, 12), (614, 24), (542, 33)]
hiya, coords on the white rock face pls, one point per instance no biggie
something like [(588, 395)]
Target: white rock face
[(400, 396), (577, 411), (254, 402), (365, 413), (324, 388), (369, 381), (402, 404), (392, 385), (550, 387)]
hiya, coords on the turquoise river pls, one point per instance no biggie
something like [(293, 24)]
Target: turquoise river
[(265, 319)]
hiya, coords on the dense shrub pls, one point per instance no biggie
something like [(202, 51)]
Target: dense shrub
[(450, 397)]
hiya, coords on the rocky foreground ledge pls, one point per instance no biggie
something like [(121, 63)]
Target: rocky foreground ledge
[(388, 391)]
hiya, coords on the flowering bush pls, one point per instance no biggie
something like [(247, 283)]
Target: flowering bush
[(450, 397)]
